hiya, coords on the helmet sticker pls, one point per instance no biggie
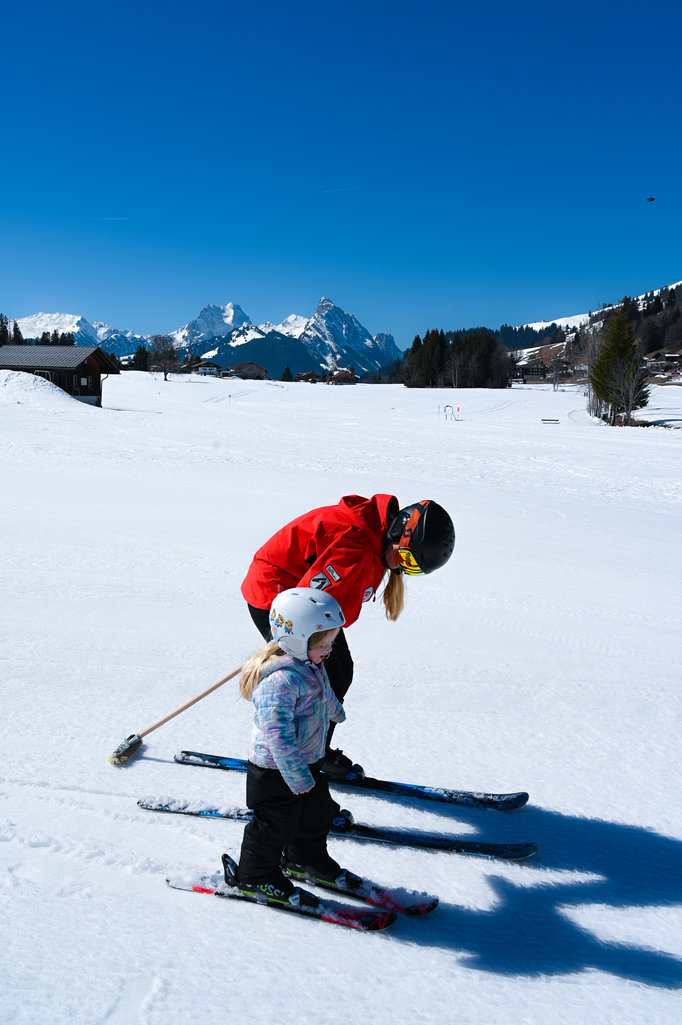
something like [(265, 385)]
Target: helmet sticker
[(320, 582)]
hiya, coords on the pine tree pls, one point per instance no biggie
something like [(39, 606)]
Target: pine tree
[(617, 376), (287, 375), (140, 360)]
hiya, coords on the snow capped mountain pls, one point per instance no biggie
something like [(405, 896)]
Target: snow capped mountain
[(212, 322), (227, 335), (576, 320), (293, 326), (65, 323), (330, 337), (331, 331), (121, 343)]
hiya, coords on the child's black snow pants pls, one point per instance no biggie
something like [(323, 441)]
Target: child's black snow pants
[(282, 821)]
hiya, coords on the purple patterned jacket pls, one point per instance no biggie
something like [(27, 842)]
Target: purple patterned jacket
[(293, 705)]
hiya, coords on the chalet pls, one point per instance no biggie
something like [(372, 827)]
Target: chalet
[(246, 371), (77, 369), (309, 376), (342, 377), (206, 367), (535, 371)]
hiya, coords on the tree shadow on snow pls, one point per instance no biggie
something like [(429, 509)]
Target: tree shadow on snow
[(529, 929)]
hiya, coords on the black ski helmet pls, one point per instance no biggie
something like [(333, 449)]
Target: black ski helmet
[(426, 531)]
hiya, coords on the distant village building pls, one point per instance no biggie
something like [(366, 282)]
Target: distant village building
[(204, 366), (309, 376), (77, 369), (534, 371), (246, 371), (342, 377)]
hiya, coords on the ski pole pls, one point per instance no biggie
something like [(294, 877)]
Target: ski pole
[(131, 744)]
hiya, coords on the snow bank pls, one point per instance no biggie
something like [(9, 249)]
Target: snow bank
[(18, 388)]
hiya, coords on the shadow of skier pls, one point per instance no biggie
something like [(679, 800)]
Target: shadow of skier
[(536, 926)]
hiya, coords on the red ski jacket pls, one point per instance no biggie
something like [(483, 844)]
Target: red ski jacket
[(337, 548)]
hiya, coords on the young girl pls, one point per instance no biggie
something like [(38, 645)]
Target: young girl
[(293, 705)]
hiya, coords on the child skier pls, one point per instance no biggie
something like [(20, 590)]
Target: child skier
[(293, 705)]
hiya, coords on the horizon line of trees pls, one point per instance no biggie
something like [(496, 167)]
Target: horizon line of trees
[(476, 358)]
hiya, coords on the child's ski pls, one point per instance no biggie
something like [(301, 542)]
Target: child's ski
[(405, 902), (326, 910), (343, 826), (468, 798)]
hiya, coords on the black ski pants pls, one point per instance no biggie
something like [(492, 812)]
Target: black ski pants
[(282, 821), (339, 664)]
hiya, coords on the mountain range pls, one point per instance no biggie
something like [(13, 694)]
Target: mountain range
[(226, 335)]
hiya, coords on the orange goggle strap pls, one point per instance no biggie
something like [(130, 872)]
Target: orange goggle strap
[(409, 528)]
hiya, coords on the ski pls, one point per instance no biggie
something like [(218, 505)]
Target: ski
[(344, 826), (404, 902), (467, 798), (325, 910)]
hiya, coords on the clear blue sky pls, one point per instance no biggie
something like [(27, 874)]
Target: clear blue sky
[(423, 164)]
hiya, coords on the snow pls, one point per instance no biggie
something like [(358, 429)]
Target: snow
[(545, 656), (576, 320), (74, 323), (293, 325), (247, 333), (571, 323)]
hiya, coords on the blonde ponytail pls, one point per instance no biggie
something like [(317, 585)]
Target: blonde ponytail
[(394, 596), (252, 670)]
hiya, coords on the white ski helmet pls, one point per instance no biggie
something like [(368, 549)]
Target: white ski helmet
[(300, 612)]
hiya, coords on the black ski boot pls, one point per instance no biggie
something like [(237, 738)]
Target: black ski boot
[(277, 890), (338, 766)]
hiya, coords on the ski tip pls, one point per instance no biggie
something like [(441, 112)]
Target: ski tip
[(366, 921), (381, 921), (422, 909)]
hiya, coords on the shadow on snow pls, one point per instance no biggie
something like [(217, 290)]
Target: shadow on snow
[(528, 931)]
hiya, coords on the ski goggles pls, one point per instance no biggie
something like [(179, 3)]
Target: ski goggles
[(405, 560)]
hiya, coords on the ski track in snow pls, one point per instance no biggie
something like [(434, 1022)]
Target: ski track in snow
[(545, 657)]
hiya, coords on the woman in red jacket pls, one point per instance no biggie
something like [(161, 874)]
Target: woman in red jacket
[(347, 550)]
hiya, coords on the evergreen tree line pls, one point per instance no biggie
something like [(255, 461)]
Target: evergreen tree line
[(476, 358), (10, 335), (658, 325)]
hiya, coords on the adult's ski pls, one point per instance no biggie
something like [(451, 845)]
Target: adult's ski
[(313, 907), (467, 798), (344, 826)]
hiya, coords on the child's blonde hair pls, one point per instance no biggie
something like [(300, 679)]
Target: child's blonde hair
[(394, 596), (255, 665)]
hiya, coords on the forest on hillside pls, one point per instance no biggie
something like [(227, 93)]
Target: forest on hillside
[(483, 358)]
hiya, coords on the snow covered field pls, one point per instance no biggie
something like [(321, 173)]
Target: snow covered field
[(545, 656)]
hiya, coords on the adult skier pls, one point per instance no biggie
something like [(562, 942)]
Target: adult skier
[(348, 550)]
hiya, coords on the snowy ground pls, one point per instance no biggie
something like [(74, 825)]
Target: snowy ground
[(545, 656)]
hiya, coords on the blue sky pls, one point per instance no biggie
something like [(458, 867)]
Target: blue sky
[(422, 164)]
